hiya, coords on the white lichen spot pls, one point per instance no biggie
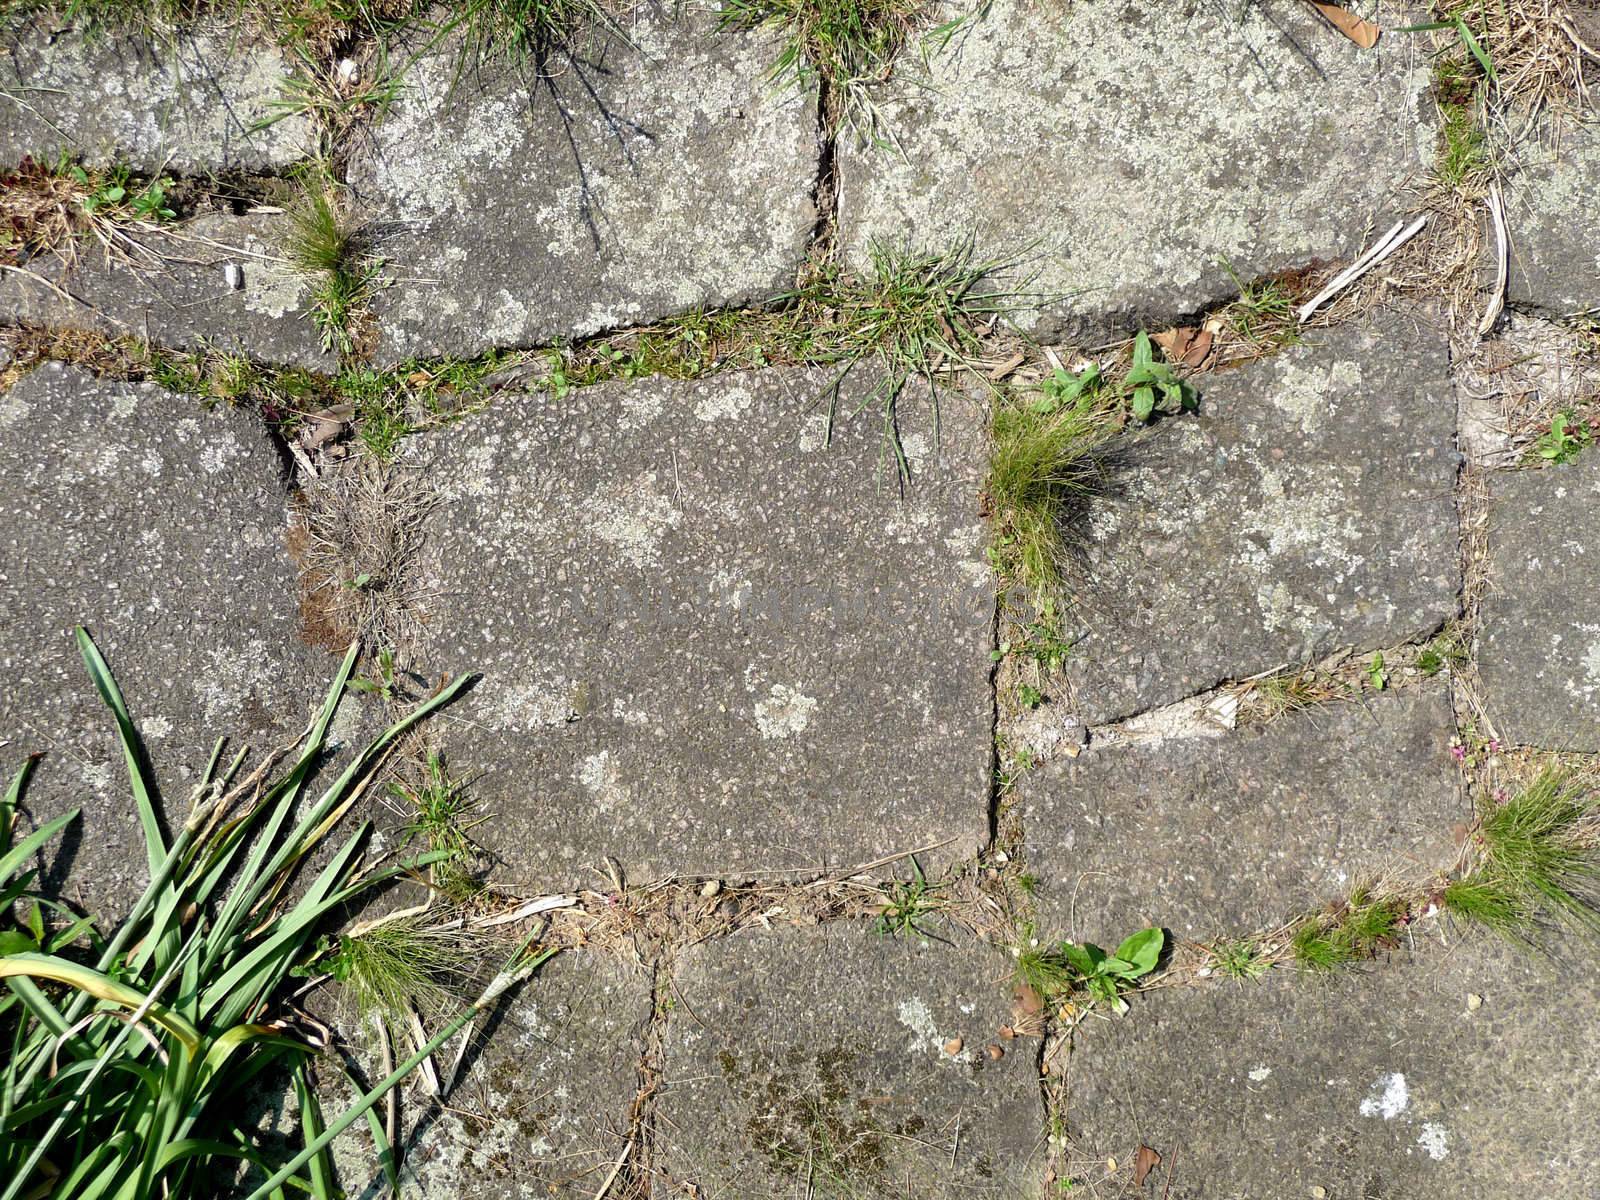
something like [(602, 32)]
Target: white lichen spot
[(915, 1015), (1434, 1140), (600, 777), (784, 713), (1308, 393), (1260, 1074), (723, 402), (271, 289), (156, 727), (1389, 1097), (635, 520), (814, 433), (124, 405), (14, 410), (219, 453), (640, 406), (530, 707)]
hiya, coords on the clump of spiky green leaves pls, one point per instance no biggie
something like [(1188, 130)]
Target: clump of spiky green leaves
[(151, 1104), (1047, 458), (1537, 862), (323, 244), (1263, 315), (392, 967), (1359, 928), (908, 904), (441, 815), (1240, 959)]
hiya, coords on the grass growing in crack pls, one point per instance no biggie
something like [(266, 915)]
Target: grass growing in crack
[(529, 30), (55, 207), (1047, 458), (1363, 925), (1058, 970), (323, 244), (1263, 315), (1293, 691), (391, 968), (202, 962), (1537, 863), (441, 815), (1241, 959), (907, 905)]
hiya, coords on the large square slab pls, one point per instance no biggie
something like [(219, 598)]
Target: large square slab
[(831, 1062), (1207, 836), (520, 202), (713, 643), (1127, 151), (1539, 655), (1308, 505)]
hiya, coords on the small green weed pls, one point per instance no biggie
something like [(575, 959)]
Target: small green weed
[(907, 905), (390, 968), (1377, 674), (1263, 315), (1240, 959), (1058, 970), (1152, 386), (1563, 441)]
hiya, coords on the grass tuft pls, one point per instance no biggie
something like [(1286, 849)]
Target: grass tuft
[(907, 905), (323, 244), (1047, 457), (1538, 854), (391, 968), (1362, 926)]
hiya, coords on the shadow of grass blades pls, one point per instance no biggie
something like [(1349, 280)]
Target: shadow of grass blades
[(132, 1058)]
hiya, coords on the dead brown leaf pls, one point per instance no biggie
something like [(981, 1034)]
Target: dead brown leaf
[(1185, 344), (1362, 32), (1144, 1162)]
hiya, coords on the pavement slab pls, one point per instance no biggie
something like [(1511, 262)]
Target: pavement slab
[(176, 291), (1555, 248), (1539, 655), (516, 205), (713, 644), (832, 1062), (160, 526), (1269, 141), (1205, 836), (1377, 1083), (543, 1108), (187, 103), (1307, 506)]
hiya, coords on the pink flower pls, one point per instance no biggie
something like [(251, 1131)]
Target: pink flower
[(1459, 751)]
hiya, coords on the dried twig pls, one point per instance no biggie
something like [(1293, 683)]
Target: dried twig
[(1385, 246), (1497, 299)]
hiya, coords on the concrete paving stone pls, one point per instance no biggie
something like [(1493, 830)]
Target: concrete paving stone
[(631, 183), (825, 1061), (712, 643), (1127, 149), (1204, 836), (1307, 506), (1381, 1084), (1539, 655), (188, 103), (1551, 201), (543, 1110), (178, 294), (160, 526)]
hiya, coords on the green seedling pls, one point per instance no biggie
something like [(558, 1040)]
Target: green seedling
[(907, 905), (1377, 676), (1107, 976), (1565, 439), (1153, 386), (1030, 696)]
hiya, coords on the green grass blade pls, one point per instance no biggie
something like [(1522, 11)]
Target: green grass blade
[(311, 1125), (28, 846), (145, 792)]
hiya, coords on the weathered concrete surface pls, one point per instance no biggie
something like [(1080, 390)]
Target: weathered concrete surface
[(620, 186), (818, 1062), (1210, 835), (712, 644), (176, 293), (159, 526), (1307, 506), (1539, 655), (1509, 386), (544, 1109), (189, 104), (1123, 147), (1380, 1083), (1555, 260)]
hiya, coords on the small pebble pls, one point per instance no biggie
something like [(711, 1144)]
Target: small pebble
[(711, 888), (953, 1047), (995, 1052), (1319, 1193), (1111, 1166), (233, 276), (1474, 1002)]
